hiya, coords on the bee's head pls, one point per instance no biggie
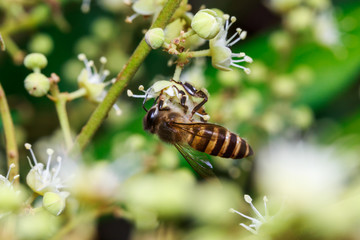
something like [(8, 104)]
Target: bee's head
[(150, 119)]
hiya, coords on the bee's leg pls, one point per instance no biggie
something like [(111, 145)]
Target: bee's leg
[(196, 93), (143, 105), (161, 103), (182, 98)]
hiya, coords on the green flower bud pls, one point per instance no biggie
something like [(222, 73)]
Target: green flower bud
[(39, 225), (271, 122), (35, 61), (304, 75), (281, 41), (103, 28), (54, 202), (146, 7), (300, 18), (41, 43), (284, 87), (229, 78), (37, 84), (259, 72), (302, 117), (155, 38), (10, 199), (173, 29), (206, 23), (283, 5)]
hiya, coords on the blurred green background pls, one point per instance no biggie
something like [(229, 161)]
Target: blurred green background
[(304, 83)]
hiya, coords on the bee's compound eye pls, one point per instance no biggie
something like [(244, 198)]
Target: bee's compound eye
[(149, 119)]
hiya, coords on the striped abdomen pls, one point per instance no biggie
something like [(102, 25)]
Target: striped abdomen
[(218, 141)]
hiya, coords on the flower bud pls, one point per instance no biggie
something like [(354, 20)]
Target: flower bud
[(54, 202), (206, 23), (155, 38), (229, 78), (173, 29), (41, 43), (37, 84), (35, 61), (300, 18), (10, 199), (302, 117), (284, 87)]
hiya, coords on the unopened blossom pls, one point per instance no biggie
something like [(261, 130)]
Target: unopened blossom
[(145, 8), (222, 57), (93, 81)]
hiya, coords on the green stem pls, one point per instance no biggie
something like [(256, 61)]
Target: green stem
[(60, 100), (11, 146), (124, 77), (200, 53), (177, 73), (76, 94)]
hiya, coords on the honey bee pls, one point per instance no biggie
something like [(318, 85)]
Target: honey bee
[(175, 125)]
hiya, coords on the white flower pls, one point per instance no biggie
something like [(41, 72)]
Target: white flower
[(300, 173), (172, 92), (255, 222), (92, 81), (145, 8), (42, 180), (4, 181), (221, 55)]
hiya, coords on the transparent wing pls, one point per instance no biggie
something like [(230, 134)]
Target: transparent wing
[(189, 127), (197, 161)]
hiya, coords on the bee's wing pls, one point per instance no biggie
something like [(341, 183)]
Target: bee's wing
[(189, 127), (196, 160)]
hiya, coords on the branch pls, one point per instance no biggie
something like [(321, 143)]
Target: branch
[(123, 78), (11, 146)]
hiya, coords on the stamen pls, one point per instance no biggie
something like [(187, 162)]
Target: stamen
[(50, 152), (58, 168), (8, 173), (265, 205), (231, 38), (237, 39), (82, 57), (15, 177), (248, 228), (243, 215), (131, 18), (30, 162), (28, 147), (141, 88), (243, 35), (103, 60), (232, 19), (248, 59), (117, 109), (248, 199)]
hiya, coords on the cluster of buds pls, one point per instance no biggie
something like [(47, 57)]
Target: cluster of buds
[(36, 83), (207, 25)]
